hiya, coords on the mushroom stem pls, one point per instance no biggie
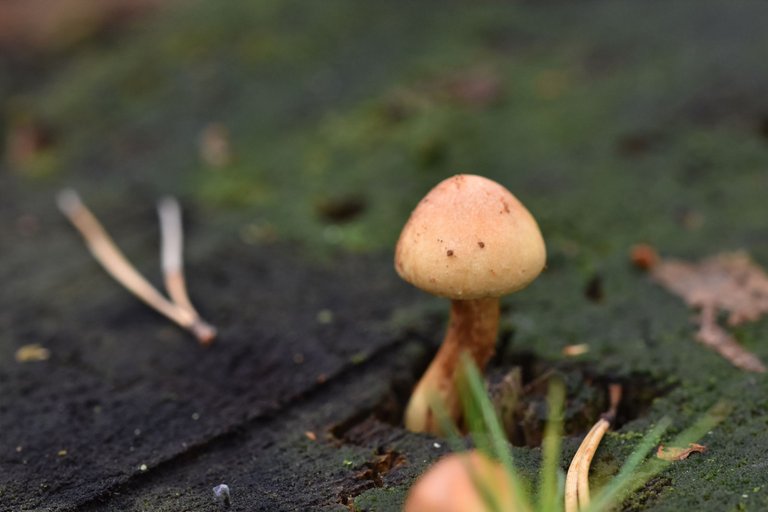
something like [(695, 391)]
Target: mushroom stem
[(472, 328)]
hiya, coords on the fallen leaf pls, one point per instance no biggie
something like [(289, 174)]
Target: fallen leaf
[(31, 353), (673, 453), (729, 282), (717, 338), (575, 350)]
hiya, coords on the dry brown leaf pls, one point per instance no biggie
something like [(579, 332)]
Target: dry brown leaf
[(673, 453), (714, 336), (730, 282)]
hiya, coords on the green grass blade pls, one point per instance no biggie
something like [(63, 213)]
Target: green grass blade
[(632, 476), (549, 495), (487, 424), (628, 476), (447, 425)]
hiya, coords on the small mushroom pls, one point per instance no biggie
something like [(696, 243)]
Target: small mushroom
[(472, 241), (454, 483)]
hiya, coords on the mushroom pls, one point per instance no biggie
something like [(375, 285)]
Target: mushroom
[(454, 483), (472, 241)]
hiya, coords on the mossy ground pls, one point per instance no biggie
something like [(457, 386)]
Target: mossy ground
[(614, 122)]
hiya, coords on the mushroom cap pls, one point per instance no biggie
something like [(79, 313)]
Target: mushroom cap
[(450, 485), (470, 238)]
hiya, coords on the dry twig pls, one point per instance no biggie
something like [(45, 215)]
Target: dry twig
[(117, 265), (577, 480)]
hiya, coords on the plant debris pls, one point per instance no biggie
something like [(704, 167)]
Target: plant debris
[(577, 495), (643, 256), (32, 352), (179, 308), (575, 350), (381, 464), (27, 140), (214, 146), (673, 453), (729, 282)]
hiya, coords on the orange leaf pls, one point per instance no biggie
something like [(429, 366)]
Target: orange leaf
[(673, 453)]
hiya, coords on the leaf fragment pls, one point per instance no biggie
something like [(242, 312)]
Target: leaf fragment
[(673, 453), (729, 282)]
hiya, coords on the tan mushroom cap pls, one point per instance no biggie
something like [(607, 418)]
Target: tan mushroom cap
[(470, 238), (451, 485)]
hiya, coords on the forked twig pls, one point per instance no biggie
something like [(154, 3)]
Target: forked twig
[(117, 265), (577, 495), (171, 240)]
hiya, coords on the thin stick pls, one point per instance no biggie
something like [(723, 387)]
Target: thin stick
[(577, 495), (595, 436), (115, 263), (598, 431), (171, 240), (572, 480)]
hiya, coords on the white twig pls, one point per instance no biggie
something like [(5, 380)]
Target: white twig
[(171, 241), (116, 264)]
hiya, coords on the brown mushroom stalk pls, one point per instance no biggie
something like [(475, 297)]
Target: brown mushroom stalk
[(472, 327), (472, 241)]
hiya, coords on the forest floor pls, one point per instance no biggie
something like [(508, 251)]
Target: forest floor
[(615, 122)]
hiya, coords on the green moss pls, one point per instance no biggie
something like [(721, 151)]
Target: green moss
[(383, 498)]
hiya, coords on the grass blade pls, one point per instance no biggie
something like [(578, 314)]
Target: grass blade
[(483, 420), (549, 492)]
